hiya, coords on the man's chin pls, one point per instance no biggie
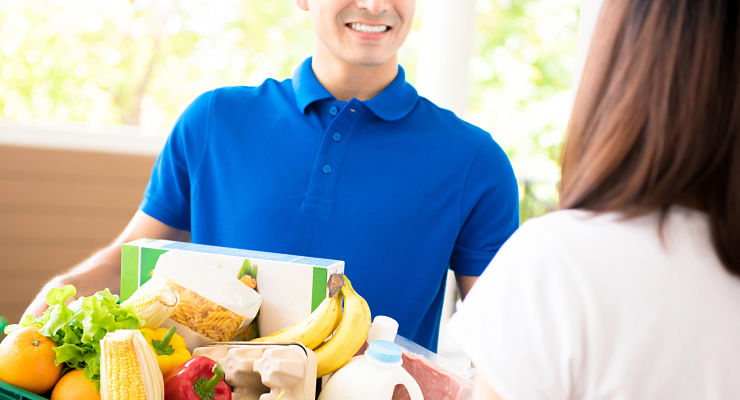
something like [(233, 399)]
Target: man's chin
[(370, 61)]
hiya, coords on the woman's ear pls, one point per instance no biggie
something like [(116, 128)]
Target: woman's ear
[(302, 4)]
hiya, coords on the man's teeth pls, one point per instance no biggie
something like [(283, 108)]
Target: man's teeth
[(368, 28)]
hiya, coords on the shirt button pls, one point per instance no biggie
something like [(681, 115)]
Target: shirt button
[(326, 169), (336, 136), (333, 110)]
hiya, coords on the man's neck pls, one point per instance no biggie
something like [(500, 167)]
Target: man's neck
[(346, 81)]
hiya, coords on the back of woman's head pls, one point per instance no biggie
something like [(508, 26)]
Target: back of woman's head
[(656, 120)]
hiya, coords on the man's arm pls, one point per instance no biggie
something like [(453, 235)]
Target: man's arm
[(103, 269), (491, 212), (464, 283)]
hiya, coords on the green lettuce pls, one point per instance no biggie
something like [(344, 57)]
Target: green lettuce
[(78, 328)]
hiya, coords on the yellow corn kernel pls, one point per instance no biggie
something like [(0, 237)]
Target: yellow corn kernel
[(128, 368)]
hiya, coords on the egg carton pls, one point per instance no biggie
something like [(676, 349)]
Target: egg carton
[(265, 371)]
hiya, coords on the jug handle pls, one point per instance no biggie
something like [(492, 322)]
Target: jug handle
[(411, 385)]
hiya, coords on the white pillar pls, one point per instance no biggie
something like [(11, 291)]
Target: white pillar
[(442, 76), (446, 45)]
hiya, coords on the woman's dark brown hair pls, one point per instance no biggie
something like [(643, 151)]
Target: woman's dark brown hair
[(656, 120)]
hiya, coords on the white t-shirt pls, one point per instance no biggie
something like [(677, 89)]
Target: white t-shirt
[(583, 306)]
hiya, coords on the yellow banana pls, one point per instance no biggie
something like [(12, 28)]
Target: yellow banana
[(313, 330), (349, 336)]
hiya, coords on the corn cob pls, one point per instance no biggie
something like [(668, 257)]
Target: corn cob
[(154, 306), (128, 368)]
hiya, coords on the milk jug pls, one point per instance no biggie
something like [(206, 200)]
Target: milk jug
[(383, 328), (372, 376)]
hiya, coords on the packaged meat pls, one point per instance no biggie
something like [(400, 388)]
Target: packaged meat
[(434, 374)]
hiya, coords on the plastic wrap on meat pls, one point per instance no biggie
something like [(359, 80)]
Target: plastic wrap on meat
[(435, 382)]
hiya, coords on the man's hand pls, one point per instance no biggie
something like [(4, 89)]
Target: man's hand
[(38, 305)]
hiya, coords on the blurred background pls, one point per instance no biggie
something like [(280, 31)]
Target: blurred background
[(140, 63), (90, 89)]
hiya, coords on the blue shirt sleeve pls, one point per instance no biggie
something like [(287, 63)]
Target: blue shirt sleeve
[(167, 195), (490, 207)]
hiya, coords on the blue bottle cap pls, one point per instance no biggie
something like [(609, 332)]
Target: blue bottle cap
[(385, 351)]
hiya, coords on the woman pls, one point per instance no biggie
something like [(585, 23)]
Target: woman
[(632, 290)]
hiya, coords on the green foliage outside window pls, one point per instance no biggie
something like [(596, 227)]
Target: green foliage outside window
[(522, 74), (141, 62)]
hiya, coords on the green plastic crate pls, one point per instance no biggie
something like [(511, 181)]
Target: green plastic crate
[(10, 392)]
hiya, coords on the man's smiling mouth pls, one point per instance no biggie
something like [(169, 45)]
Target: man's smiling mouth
[(368, 28)]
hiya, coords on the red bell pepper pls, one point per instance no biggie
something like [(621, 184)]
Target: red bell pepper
[(200, 378)]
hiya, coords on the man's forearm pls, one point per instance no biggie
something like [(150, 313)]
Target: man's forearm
[(101, 270)]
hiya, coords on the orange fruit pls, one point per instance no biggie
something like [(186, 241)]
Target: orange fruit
[(27, 360), (74, 386)]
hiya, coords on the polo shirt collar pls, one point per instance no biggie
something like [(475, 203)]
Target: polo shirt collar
[(393, 103), (396, 100), (307, 88)]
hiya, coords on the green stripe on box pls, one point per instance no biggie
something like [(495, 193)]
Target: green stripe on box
[(318, 292), (129, 270), (149, 257)]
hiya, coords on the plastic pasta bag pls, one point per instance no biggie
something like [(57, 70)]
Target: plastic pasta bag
[(212, 304)]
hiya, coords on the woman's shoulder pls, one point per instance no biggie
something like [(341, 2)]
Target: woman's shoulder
[(572, 236), (566, 223), (585, 225), (613, 243)]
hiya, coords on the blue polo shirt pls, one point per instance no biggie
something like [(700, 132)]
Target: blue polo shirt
[(395, 186)]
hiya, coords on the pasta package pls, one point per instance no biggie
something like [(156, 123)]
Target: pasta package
[(212, 304), (204, 316)]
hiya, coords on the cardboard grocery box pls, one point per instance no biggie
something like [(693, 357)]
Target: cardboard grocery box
[(291, 286)]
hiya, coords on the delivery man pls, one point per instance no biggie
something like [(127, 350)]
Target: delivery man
[(343, 161)]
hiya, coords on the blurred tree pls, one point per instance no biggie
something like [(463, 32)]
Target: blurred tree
[(138, 62), (522, 74)]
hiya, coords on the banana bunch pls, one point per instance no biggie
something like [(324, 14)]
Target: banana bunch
[(348, 327), (349, 336)]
